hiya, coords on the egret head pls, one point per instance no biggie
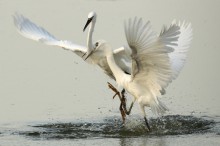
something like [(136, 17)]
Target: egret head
[(101, 50), (91, 14), (91, 18)]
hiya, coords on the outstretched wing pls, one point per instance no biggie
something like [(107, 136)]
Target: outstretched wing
[(30, 30), (178, 56), (151, 65)]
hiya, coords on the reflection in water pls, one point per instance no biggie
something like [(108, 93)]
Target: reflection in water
[(112, 128), (142, 141)]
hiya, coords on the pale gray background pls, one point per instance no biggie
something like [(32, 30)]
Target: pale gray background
[(39, 82)]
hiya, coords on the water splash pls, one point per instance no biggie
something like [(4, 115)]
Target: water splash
[(112, 127)]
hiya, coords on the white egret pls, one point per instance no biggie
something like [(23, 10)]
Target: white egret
[(141, 40), (156, 61), (32, 31)]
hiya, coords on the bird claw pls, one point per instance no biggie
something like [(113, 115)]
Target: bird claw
[(122, 107), (115, 90), (114, 95), (122, 98)]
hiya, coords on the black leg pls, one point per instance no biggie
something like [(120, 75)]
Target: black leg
[(123, 115), (146, 122), (129, 111), (123, 101), (122, 108)]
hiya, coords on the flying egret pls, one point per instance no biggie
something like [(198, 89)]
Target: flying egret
[(103, 61), (32, 31), (156, 61)]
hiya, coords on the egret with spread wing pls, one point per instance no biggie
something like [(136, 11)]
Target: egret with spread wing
[(32, 31), (156, 61)]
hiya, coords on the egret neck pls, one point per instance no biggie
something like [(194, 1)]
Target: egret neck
[(117, 71), (89, 36)]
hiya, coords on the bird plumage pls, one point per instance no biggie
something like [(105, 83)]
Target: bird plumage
[(156, 60), (32, 31)]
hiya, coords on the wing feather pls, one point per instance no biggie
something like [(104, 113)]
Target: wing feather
[(151, 66), (30, 30), (180, 47), (178, 56)]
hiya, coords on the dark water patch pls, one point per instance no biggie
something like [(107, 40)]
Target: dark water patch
[(112, 127), (179, 125)]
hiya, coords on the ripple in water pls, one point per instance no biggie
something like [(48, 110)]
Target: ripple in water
[(112, 127)]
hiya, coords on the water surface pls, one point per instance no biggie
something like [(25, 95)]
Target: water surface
[(49, 96), (165, 130)]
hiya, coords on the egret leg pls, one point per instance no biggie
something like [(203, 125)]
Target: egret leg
[(144, 114), (122, 98), (129, 111), (147, 124), (123, 115), (115, 90), (123, 102)]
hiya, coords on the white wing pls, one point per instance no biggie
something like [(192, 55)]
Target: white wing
[(178, 56), (30, 30), (150, 61), (123, 59)]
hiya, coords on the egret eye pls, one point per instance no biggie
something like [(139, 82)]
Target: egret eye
[(96, 44)]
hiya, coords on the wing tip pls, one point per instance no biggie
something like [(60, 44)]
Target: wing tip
[(18, 20)]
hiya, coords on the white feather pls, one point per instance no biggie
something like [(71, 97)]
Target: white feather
[(30, 30)]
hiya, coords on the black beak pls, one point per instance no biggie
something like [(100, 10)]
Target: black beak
[(87, 56), (87, 23)]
